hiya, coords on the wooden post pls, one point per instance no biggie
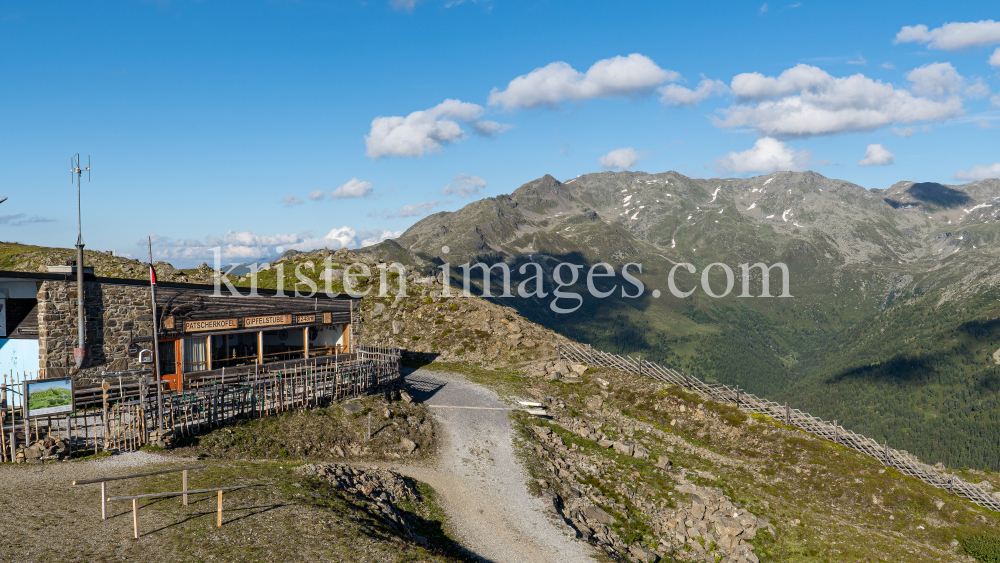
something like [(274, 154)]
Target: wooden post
[(788, 415), (218, 522), (836, 432), (638, 361), (104, 500), (184, 487), (135, 517), (369, 427)]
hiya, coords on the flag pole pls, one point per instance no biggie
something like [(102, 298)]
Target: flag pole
[(156, 347)]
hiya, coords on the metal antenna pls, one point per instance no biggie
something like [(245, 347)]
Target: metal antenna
[(80, 352), (76, 170)]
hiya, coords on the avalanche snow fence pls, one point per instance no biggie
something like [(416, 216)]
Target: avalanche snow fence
[(900, 460)]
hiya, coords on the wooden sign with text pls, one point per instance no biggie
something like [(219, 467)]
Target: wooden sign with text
[(267, 320), (214, 324)]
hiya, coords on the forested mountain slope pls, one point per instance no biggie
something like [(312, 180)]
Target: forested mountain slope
[(890, 324)]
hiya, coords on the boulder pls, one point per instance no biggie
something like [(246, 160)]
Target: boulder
[(595, 403), (663, 462), (397, 327), (605, 443), (642, 554), (378, 309), (407, 445), (578, 369), (330, 274), (640, 452), (624, 447), (597, 514)]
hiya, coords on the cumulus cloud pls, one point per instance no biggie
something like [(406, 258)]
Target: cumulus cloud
[(290, 200), (767, 155), (995, 58), (317, 195), (490, 128), (557, 82), (979, 172), (464, 185), (953, 36), (978, 91), (937, 80), (243, 246), (426, 131), (677, 95), (415, 210), (620, 159), (804, 101), (353, 188), (877, 155)]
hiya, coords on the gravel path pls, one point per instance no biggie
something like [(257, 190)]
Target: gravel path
[(479, 480)]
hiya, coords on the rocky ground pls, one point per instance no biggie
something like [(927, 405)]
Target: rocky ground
[(399, 429), (281, 516), (647, 471)]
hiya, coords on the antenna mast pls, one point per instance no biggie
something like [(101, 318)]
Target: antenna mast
[(80, 352)]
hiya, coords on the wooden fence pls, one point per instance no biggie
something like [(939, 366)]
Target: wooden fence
[(124, 420), (900, 460)]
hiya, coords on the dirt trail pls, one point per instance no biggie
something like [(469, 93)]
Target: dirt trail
[(480, 481)]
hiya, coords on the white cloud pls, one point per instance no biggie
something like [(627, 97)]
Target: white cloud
[(995, 100), (763, 9), (877, 155), (754, 86), (243, 246), (353, 188), (979, 172), (403, 5), (416, 209), (680, 96), (978, 91), (425, 131), (620, 159), (767, 155), (558, 82), (937, 80), (464, 185), (953, 36), (888, 66), (858, 61), (316, 195), (804, 101), (995, 58), (291, 200), (490, 128)]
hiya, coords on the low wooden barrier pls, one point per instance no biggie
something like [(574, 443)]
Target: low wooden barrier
[(104, 481), (185, 493)]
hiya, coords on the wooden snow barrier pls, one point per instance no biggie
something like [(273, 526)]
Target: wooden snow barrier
[(104, 481), (900, 460), (185, 493)]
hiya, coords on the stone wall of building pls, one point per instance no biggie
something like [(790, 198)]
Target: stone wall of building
[(115, 314)]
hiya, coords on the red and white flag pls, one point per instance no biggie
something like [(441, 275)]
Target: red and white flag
[(152, 275)]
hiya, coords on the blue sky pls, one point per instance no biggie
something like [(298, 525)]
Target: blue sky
[(210, 123)]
